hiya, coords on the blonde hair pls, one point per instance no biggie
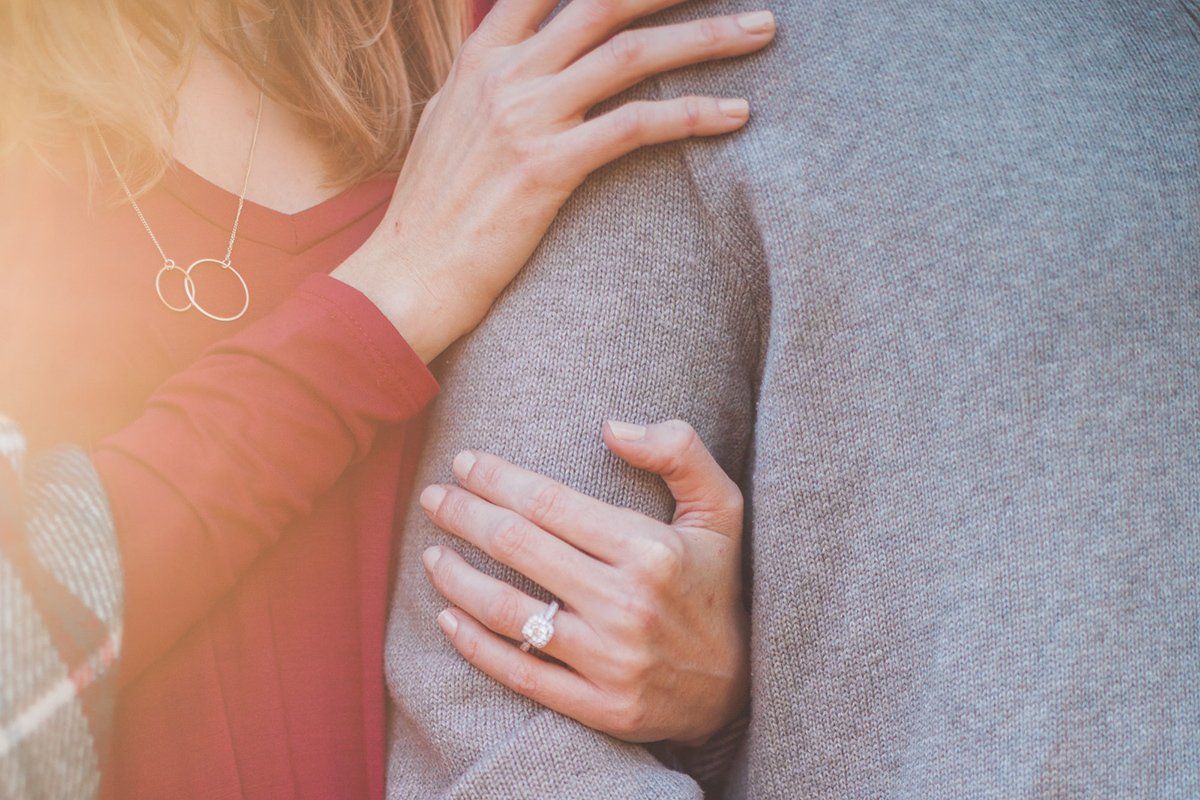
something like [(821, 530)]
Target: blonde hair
[(357, 71)]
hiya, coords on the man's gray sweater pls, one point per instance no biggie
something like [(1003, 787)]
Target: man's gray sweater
[(938, 309)]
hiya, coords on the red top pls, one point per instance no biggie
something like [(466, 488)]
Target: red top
[(253, 469)]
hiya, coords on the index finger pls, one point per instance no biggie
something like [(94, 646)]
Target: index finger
[(514, 21), (605, 532), (585, 24)]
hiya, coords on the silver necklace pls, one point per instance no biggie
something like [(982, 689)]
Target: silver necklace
[(226, 263)]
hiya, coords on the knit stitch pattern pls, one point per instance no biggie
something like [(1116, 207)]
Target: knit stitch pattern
[(937, 309)]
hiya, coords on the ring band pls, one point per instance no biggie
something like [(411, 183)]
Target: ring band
[(538, 630)]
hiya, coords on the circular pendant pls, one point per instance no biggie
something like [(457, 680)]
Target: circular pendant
[(171, 266), (189, 287)]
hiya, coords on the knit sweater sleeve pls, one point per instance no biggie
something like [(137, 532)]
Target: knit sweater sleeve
[(632, 309)]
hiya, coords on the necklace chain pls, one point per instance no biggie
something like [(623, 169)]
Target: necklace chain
[(237, 218), (169, 263)]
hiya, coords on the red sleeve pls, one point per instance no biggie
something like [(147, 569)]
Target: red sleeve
[(479, 10), (241, 443)]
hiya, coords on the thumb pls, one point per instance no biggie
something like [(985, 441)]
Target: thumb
[(704, 495)]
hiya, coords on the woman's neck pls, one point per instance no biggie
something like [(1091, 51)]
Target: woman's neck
[(215, 123)]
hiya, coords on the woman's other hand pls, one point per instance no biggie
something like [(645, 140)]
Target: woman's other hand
[(652, 629), (507, 139)]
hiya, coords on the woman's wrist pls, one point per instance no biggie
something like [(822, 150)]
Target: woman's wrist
[(510, 135), (419, 313)]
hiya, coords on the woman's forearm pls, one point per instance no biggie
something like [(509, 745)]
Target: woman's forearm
[(234, 448)]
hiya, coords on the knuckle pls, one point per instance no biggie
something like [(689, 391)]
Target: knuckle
[(474, 55), (628, 717), (681, 438), (625, 49), (545, 505), (509, 538), (632, 121), (732, 499), (511, 115), (450, 513), (604, 11), (692, 113), (662, 561), (432, 102), (682, 432), (640, 615), (528, 152), (445, 574), (528, 174), (680, 426), (504, 104), (468, 646), (633, 666), (708, 33), (484, 474), (504, 71), (523, 679), (502, 116), (504, 613), (490, 85), (470, 54)]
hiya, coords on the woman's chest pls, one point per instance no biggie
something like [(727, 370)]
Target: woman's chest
[(84, 336)]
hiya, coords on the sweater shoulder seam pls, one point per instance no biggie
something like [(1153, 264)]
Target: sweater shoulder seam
[(734, 240)]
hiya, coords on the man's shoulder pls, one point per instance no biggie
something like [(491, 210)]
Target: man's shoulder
[(932, 95)]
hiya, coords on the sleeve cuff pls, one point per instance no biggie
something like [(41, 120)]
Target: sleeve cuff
[(335, 336)]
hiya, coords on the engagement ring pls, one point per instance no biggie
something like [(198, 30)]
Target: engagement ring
[(539, 629)]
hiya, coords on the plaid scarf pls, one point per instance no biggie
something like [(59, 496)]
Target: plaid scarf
[(60, 618)]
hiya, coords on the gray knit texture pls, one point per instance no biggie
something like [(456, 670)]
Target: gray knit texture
[(938, 309)]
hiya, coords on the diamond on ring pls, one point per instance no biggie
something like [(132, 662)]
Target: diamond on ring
[(538, 630)]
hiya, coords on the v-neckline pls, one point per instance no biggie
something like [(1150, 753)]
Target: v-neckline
[(291, 233)]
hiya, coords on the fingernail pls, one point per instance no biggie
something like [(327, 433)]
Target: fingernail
[(737, 109), (462, 464), (432, 498), (757, 22), (431, 556), (447, 622), (627, 432)]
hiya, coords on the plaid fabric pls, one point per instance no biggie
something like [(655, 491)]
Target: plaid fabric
[(60, 616)]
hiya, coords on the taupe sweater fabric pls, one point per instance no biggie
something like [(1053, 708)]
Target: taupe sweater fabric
[(938, 309)]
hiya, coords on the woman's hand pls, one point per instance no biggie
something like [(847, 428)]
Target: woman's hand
[(506, 140), (652, 630)]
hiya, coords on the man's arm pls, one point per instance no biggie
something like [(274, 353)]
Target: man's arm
[(634, 308)]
